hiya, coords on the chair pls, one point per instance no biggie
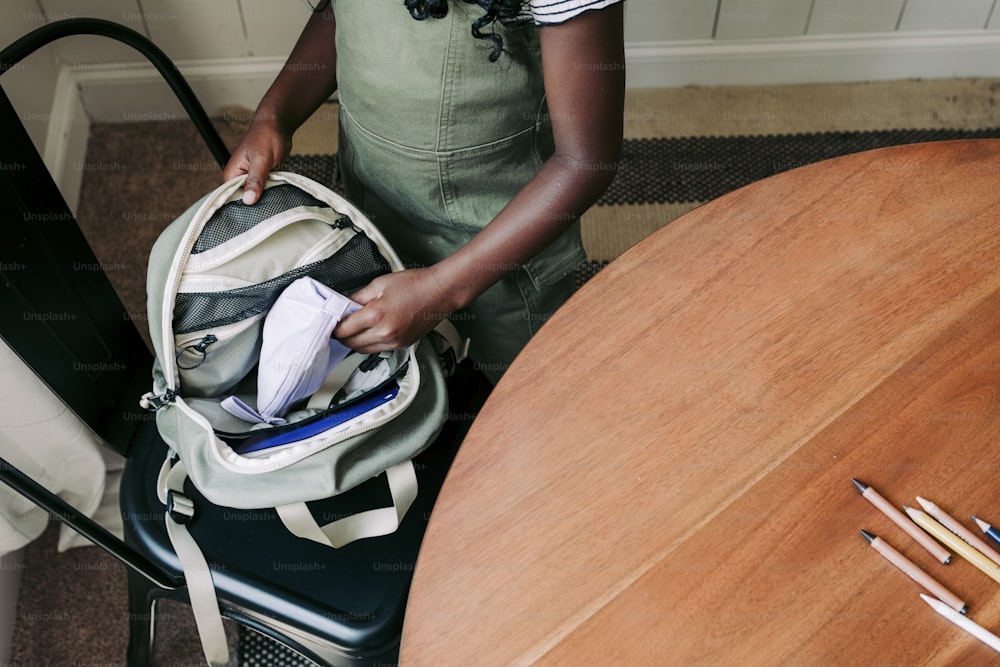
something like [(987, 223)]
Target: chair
[(333, 606)]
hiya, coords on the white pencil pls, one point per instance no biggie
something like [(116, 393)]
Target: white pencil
[(954, 526), (964, 622)]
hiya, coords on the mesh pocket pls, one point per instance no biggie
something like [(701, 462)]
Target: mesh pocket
[(236, 218), (352, 267)]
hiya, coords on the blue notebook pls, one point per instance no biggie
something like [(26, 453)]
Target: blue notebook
[(269, 438)]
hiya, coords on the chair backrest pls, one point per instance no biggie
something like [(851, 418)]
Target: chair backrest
[(58, 311)]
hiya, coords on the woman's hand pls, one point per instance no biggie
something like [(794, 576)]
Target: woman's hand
[(308, 78), (262, 149), (398, 308)]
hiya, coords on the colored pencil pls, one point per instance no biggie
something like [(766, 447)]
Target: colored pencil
[(914, 572), (887, 508), (954, 526), (990, 531), (967, 624), (954, 542)]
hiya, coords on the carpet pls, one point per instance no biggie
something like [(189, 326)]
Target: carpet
[(683, 147)]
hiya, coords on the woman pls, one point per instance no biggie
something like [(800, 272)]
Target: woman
[(475, 154)]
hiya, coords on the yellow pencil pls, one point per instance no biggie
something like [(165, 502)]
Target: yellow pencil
[(956, 527), (954, 542)]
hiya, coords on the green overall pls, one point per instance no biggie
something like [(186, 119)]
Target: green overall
[(435, 140)]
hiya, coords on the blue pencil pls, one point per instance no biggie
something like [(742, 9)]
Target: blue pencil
[(990, 531)]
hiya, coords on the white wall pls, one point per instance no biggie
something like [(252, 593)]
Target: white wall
[(30, 84), (757, 42), (669, 20), (230, 49)]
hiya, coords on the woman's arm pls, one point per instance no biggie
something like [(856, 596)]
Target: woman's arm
[(584, 70), (307, 79)]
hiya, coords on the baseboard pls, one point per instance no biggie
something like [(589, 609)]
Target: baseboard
[(129, 92), (66, 140), (814, 59), (120, 92)]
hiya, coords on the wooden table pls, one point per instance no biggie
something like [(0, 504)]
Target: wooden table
[(664, 475)]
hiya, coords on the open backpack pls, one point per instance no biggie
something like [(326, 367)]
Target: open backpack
[(260, 406)]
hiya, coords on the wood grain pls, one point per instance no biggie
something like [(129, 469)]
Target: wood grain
[(664, 474)]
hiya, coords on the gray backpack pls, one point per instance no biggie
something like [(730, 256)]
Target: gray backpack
[(214, 275)]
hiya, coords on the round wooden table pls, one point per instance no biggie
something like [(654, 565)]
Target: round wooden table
[(663, 477)]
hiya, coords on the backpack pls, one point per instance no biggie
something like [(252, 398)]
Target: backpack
[(215, 276)]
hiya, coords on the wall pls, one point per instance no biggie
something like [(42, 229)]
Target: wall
[(31, 83), (757, 42), (230, 50)]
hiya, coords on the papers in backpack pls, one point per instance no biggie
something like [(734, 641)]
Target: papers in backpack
[(297, 350)]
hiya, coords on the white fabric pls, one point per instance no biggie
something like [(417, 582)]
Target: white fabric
[(551, 12), (47, 442), (460, 346), (297, 350)]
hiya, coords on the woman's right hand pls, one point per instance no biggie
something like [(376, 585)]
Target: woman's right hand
[(263, 148), (296, 93)]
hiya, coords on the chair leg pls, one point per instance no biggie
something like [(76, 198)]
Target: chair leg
[(140, 620)]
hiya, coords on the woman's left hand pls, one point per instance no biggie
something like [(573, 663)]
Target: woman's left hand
[(398, 308)]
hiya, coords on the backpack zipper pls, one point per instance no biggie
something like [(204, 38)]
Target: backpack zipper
[(174, 279), (153, 402), (201, 347)]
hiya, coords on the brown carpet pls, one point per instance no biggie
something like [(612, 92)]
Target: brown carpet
[(53, 627), (139, 176), (73, 610)]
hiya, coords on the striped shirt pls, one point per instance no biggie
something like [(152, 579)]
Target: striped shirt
[(552, 12)]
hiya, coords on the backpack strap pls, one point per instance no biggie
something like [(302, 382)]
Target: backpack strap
[(197, 575), (453, 339), (337, 378), (402, 479)]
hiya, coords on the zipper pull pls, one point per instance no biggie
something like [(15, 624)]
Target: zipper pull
[(372, 361), (345, 222), (200, 349), (154, 402), (205, 342)]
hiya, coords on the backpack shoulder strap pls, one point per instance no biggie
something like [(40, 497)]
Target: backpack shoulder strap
[(454, 340), (197, 575)]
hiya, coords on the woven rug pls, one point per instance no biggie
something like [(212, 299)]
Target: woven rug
[(683, 147)]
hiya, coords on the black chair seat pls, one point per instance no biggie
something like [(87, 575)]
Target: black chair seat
[(352, 598)]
